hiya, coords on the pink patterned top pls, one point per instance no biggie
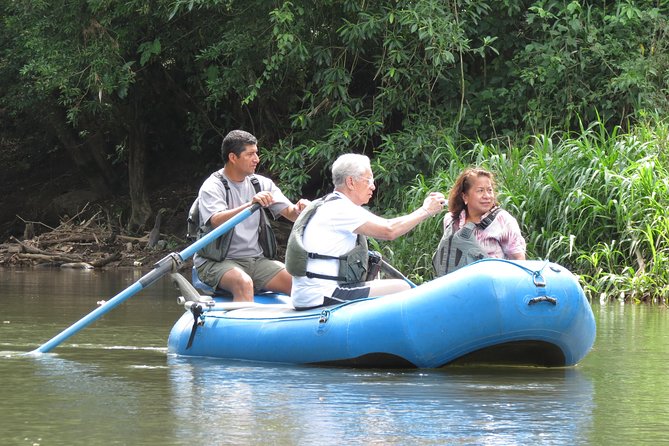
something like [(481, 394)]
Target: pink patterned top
[(500, 239)]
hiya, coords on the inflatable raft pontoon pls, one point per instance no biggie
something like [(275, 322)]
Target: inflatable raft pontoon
[(491, 311)]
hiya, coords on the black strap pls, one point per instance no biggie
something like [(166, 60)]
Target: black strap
[(256, 183), (482, 225), (311, 275), (489, 219), (197, 312), (227, 187), (314, 255)]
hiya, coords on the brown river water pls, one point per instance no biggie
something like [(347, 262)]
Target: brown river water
[(113, 383)]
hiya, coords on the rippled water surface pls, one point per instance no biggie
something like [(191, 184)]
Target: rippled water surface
[(113, 383)]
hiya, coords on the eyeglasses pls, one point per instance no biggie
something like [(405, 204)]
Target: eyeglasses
[(370, 181)]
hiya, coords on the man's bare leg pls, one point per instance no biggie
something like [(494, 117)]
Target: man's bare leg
[(383, 287), (282, 282), (239, 284)]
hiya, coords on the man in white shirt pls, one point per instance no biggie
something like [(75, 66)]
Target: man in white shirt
[(332, 231)]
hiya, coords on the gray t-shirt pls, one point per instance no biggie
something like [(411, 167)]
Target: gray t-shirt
[(212, 196)]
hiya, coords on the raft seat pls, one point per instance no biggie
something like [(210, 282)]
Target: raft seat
[(200, 285)]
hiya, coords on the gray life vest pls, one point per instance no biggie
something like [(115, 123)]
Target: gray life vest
[(218, 249), (458, 246), (353, 265)]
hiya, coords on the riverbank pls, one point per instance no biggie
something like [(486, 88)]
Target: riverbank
[(50, 217)]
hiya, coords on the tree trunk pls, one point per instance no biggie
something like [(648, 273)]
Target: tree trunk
[(89, 158), (139, 199)]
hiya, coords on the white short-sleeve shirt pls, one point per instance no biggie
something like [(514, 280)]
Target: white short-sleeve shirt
[(330, 232)]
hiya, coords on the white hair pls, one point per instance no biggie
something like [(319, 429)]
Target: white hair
[(349, 165)]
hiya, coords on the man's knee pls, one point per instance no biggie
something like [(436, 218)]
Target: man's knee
[(236, 280)]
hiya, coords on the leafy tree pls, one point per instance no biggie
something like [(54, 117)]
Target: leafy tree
[(125, 83), (106, 81)]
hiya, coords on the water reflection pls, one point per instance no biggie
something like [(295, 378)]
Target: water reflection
[(629, 367), (63, 401), (245, 403), (114, 383)]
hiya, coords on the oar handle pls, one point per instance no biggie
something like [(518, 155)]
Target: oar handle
[(387, 267), (167, 264)]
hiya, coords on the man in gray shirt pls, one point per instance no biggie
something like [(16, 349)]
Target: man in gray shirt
[(237, 263)]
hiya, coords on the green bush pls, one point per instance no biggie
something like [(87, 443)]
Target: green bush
[(594, 201)]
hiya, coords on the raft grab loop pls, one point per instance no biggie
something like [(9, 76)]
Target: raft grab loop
[(548, 299), (540, 283), (539, 280), (325, 315)]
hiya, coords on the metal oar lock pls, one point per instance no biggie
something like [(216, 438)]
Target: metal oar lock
[(192, 301)]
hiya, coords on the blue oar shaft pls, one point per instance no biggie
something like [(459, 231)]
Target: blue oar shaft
[(161, 268), (219, 231)]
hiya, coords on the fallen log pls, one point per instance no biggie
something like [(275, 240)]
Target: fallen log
[(127, 238), (77, 265), (105, 260), (71, 238), (29, 248), (54, 258)]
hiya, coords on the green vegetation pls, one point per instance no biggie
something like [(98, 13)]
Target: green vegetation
[(595, 201), (560, 98)]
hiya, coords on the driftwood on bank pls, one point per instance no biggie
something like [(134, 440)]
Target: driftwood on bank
[(86, 245)]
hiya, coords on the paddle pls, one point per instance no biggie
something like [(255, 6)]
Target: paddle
[(165, 265), (391, 270)]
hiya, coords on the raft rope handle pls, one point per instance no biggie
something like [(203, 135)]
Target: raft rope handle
[(537, 278), (536, 275), (548, 299)]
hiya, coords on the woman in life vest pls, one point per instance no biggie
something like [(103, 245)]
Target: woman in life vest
[(472, 199)]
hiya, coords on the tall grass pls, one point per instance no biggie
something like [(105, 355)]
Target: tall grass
[(595, 201)]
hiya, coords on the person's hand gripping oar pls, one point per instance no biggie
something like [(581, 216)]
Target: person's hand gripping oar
[(169, 263)]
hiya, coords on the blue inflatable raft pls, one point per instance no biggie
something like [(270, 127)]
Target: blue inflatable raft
[(492, 312)]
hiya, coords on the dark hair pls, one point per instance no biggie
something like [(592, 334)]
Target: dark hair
[(462, 185), (236, 142)]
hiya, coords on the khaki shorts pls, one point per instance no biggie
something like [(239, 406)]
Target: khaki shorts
[(260, 269)]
